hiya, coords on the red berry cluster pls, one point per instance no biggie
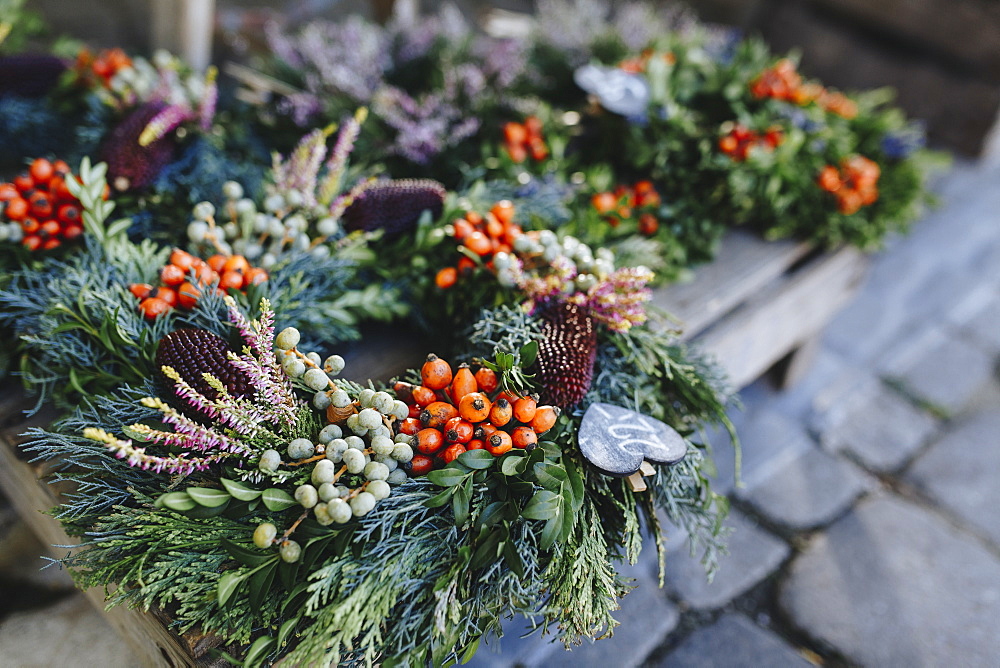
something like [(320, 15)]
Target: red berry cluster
[(737, 142), (854, 185), (638, 64), (525, 139), (185, 276), (454, 413), (39, 200), (483, 235), (627, 202), (100, 69), (783, 82)]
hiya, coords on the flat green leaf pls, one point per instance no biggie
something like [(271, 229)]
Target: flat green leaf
[(203, 512), (277, 499), (542, 506), (228, 584), (575, 482), (260, 585), (447, 477), (260, 648), (208, 496), (513, 464), (246, 555), (492, 513), (513, 559), (487, 551), (528, 353), (239, 491), (460, 503), (285, 632), (471, 650), (477, 459), (550, 476), (552, 530), (549, 449), (179, 501)]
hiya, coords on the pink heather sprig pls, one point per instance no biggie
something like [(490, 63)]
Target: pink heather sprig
[(210, 100), (188, 434), (301, 169), (193, 397), (137, 457), (337, 163), (619, 301), (167, 120), (537, 286)]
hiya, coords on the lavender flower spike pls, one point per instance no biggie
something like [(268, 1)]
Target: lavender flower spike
[(301, 169), (137, 457), (206, 110), (163, 122), (337, 163)]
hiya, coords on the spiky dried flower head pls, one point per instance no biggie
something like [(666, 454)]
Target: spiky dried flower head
[(567, 354), (131, 164), (194, 352), (394, 206), (30, 75)]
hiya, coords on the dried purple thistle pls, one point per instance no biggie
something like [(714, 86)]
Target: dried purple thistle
[(394, 206), (30, 75), (132, 165)]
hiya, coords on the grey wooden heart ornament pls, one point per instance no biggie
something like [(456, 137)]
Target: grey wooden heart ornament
[(617, 440)]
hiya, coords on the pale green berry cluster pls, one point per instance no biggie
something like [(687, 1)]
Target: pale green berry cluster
[(353, 463), (262, 235), (543, 252)]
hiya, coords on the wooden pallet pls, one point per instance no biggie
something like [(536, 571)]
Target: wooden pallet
[(757, 305)]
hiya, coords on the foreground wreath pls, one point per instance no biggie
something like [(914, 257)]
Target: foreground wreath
[(267, 501)]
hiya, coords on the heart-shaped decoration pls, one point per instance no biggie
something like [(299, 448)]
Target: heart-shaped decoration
[(617, 440)]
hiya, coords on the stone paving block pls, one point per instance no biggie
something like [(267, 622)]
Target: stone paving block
[(873, 422), (733, 642), (808, 491), (646, 617), (71, 633), (893, 584), (768, 439), (753, 555), (927, 365), (960, 472), (978, 317)]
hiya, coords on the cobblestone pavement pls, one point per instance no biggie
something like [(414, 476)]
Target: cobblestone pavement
[(866, 529)]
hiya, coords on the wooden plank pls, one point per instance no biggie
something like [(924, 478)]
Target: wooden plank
[(185, 27), (783, 316), (744, 265), (24, 485)]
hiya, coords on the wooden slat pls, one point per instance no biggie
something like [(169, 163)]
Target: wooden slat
[(783, 316), (145, 633), (743, 266)]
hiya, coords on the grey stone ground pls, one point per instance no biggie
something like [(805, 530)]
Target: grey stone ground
[(866, 531)]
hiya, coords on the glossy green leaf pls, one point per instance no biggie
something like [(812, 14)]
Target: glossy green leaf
[(492, 513), (228, 584), (542, 506), (446, 477), (487, 551), (528, 353), (258, 651), (260, 585), (277, 499), (550, 476), (513, 559), (208, 497), (551, 531), (471, 650), (513, 464), (460, 503), (477, 459), (246, 555), (239, 491), (179, 501), (286, 630)]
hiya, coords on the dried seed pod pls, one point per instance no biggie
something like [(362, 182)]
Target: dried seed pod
[(567, 354), (195, 352), (394, 206), (131, 165)]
